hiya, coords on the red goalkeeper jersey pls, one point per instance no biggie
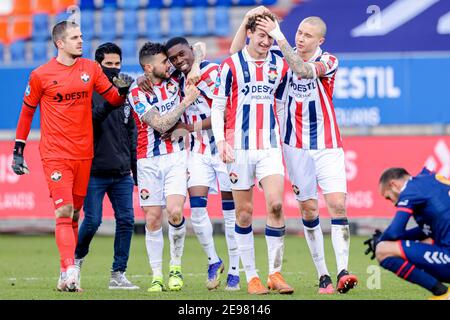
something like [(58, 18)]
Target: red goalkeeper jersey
[(64, 94)]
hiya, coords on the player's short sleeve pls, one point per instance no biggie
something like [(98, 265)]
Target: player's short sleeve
[(326, 66), (139, 102), (101, 81), (224, 79), (33, 91), (207, 81)]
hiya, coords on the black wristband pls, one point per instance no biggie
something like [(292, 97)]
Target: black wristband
[(123, 91), (18, 148)]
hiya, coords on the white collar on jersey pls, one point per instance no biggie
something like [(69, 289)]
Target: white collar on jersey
[(316, 54), (249, 58)]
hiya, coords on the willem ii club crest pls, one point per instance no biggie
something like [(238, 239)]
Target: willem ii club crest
[(85, 77), (56, 176), (273, 74), (295, 189), (145, 194), (171, 88), (233, 177)]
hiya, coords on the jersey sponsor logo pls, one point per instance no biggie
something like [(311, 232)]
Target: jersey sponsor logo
[(71, 96), (295, 189), (145, 194), (304, 87), (233, 177), (56, 176), (217, 83), (167, 106), (257, 89), (28, 90), (85, 77), (139, 108)]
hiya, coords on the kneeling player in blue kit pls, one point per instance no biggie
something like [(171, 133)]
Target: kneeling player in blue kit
[(420, 255)]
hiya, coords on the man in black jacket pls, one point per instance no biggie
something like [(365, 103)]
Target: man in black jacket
[(114, 158)]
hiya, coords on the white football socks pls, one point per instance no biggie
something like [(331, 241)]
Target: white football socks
[(154, 242)]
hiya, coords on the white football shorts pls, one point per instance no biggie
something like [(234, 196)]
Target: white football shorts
[(161, 176), (251, 164), (208, 170), (309, 168)]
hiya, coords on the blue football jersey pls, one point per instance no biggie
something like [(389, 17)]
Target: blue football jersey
[(427, 197)]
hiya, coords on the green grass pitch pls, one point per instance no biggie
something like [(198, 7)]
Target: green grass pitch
[(29, 269)]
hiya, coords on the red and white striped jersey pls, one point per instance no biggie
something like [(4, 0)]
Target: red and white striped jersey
[(251, 89), (202, 142), (310, 120), (165, 98)]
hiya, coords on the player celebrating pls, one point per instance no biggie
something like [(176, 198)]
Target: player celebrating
[(63, 88), (247, 85), (205, 167), (161, 163), (313, 146), (426, 198)]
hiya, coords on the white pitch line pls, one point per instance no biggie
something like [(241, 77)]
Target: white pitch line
[(201, 274)]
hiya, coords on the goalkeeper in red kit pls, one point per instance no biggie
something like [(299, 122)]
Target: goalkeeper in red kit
[(63, 88)]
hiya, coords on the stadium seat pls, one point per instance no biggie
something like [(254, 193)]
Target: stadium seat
[(246, 2), (88, 23), (129, 4), (129, 51), (110, 4), (223, 3), (130, 23), (268, 2), (222, 22), (4, 38), (108, 24), (61, 5), (62, 16), (176, 22), (87, 4), (178, 4), (2, 52), (43, 6), (21, 7), (21, 28), (199, 22), (199, 3), (153, 24), (87, 49), (155, 4), (17, 50), (40, 29), (39, 49)]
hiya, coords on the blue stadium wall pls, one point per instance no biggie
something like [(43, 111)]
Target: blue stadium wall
[(369, 91)]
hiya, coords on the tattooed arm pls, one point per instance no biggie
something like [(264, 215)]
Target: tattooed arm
[(302, 69), (163, 123)]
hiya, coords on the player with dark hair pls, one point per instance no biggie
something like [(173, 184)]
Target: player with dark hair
[(161, 164), (114, 159), (63, 88), (420, 255), (205, 168), (249, 86)]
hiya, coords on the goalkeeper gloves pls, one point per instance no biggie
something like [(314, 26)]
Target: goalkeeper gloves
[(372, 243), (123, 83), (18, 165)]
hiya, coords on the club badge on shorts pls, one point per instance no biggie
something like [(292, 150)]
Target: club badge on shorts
[(56, 176), (295, 189), (145, 194), (233, 177)]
